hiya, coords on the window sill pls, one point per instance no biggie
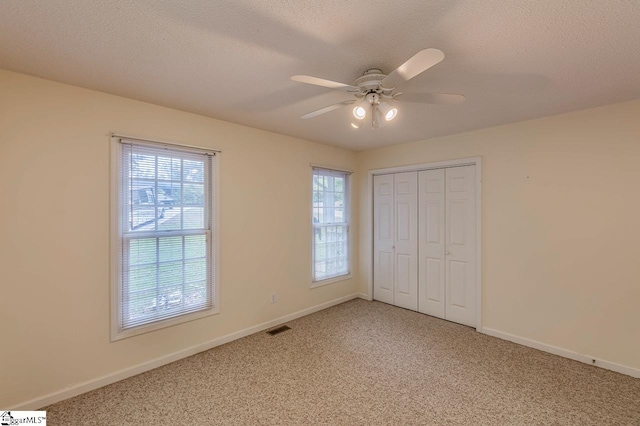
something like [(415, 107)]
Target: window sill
[(135, 331), (328, 281)]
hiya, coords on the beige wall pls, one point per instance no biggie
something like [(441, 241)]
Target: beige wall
[(54, 230), (560, 226), (560, 229)]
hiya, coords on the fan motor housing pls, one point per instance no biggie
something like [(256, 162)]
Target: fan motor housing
[(370, 80)]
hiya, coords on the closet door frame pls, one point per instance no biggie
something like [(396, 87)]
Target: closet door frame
[(476, 161)]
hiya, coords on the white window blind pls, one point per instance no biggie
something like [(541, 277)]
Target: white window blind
[(330, 224), (166, 263)]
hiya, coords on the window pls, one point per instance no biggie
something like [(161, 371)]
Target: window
[(164, 237), (330, 224)]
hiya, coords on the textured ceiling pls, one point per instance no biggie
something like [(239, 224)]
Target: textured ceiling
[(514, 60)]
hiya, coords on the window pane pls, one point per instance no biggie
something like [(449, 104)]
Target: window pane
[(338, 184), (163, 195), (169, 274), (163, 212), (169, 194), (195, 270), (329, 189), (193, 171), (169, 298), (142, 278), (193, 218), (195, 294), (142, 251), (193, 194), (166, 203), (141, 304), (142, 203), (171, 219), (163, 288), (195, 246), (169, 168), (170, 249), (143, 166), (321, 250), (338, 199)]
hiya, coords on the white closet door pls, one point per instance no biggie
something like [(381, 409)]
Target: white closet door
[(460, 245), (383, 238), (406, 240), (431, 242)]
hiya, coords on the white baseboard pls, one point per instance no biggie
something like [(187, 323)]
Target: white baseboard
[(99, 382), (364, 296), (566, 353)]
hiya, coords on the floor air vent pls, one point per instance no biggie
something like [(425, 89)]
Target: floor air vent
[(278, 330)]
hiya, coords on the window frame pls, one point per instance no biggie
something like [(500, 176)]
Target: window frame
[(347, 209), (116, 231)]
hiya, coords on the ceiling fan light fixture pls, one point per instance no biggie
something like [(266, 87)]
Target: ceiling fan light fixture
[(391, 114), (376, 93), (388, 112), (359, 112)]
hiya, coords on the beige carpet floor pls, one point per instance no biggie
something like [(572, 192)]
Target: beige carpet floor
[(364, 363)]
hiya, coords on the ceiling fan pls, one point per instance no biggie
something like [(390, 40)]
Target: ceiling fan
[(376, 93)]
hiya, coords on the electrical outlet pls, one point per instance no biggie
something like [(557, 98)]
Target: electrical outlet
[(273, 298)]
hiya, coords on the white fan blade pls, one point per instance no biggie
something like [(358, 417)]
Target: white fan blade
[(418, 63), (431, 98), (324, 83), (326, 109)]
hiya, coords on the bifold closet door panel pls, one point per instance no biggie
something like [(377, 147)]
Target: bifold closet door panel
[(460, 254), (431, 242), (383, 238), (406, 240)]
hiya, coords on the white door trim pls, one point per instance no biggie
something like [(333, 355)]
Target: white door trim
[(477, 161)]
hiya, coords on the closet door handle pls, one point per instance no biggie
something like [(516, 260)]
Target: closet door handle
[(446, 253)]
